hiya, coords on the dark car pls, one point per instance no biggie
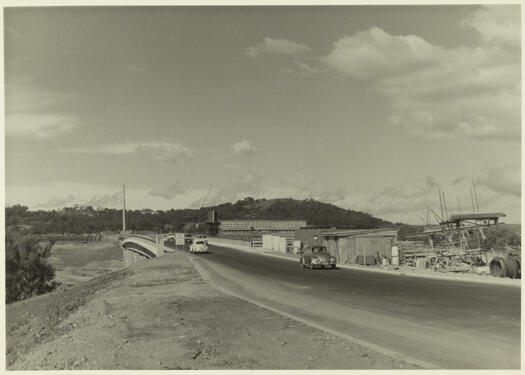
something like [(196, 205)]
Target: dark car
[(317, 256)]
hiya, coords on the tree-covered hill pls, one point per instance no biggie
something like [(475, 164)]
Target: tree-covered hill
[(314, 212), (89, 220)]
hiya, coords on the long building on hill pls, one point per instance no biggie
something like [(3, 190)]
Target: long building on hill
[(250, 226)]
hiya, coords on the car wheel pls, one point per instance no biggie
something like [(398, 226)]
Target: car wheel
[(333, 266)]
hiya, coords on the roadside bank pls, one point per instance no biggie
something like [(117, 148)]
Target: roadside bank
[(160, 314)]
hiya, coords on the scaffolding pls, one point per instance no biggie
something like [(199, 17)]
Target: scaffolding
[(454, 241)]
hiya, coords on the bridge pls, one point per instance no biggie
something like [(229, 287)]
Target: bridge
[(136, 248)]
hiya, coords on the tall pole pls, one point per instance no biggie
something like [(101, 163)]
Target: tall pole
[(445, 205), (472, 198), (124, 208), (441, 205), (475, 194)]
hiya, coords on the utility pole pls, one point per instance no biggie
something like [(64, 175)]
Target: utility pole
[(124, 208), (472, 198), (445, 205), (441, 205), (475, 193)]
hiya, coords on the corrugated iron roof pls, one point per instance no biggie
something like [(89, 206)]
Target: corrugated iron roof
[(476, 216), (353, 232)]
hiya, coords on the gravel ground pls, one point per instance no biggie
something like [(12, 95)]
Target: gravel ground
[(160, 314)]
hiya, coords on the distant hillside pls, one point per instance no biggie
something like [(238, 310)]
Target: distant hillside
[(89, 220), (314, 212)]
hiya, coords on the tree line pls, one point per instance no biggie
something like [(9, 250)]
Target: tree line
[(80, 219)]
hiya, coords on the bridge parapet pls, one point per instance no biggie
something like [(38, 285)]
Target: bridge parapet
[(137, 248)]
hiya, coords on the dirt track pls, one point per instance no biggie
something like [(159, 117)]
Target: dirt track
[(160, 314)]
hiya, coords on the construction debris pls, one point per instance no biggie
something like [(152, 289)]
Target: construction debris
[(455, 245)]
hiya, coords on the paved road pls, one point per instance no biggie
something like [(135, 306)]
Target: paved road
[(450, 324)]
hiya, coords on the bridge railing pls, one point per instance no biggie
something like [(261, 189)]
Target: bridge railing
[(141, 236), (136, 248)]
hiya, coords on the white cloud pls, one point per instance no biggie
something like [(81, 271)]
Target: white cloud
[(56, 202), (137, 68), (498, 24), (434, 91), (34, 112), (169, 192), (59, 194), (42, 125), (23, 96), (335, 196), (375, 54), (56, 194), (243, 147), (278, 46), (167, 152), (410, 199), (159, 151), (111, 200), (498, 190), (249, 186), (503, 179), (304, 68)]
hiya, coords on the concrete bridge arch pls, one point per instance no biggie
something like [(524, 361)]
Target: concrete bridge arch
[(138, 248)]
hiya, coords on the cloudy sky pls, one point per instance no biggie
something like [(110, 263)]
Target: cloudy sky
[(372, 108)]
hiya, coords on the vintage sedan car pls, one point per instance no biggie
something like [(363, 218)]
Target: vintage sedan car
[(317, 257), (198, 246), (202, 237)]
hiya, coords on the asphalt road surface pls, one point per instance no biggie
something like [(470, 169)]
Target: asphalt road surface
[(448, 324)]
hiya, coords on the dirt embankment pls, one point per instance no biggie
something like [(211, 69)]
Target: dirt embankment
[(75, 262), (160, 314)]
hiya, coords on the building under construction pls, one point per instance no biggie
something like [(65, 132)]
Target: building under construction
[(455, 243), (259, 226)]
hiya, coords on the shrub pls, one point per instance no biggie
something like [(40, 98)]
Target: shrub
[(499, 236), (27, 270)]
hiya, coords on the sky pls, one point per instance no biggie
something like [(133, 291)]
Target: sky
[(370, 108)]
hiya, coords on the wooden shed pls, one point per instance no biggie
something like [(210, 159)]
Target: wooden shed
[(350, 245)]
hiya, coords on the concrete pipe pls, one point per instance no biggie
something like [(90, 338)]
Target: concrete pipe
[(498, 267), (513, 267)]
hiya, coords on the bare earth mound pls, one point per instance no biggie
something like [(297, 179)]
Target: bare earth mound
[(160, 314)]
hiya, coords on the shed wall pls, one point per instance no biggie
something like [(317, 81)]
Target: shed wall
[(346, 248), (306, 236), (373, 246)]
